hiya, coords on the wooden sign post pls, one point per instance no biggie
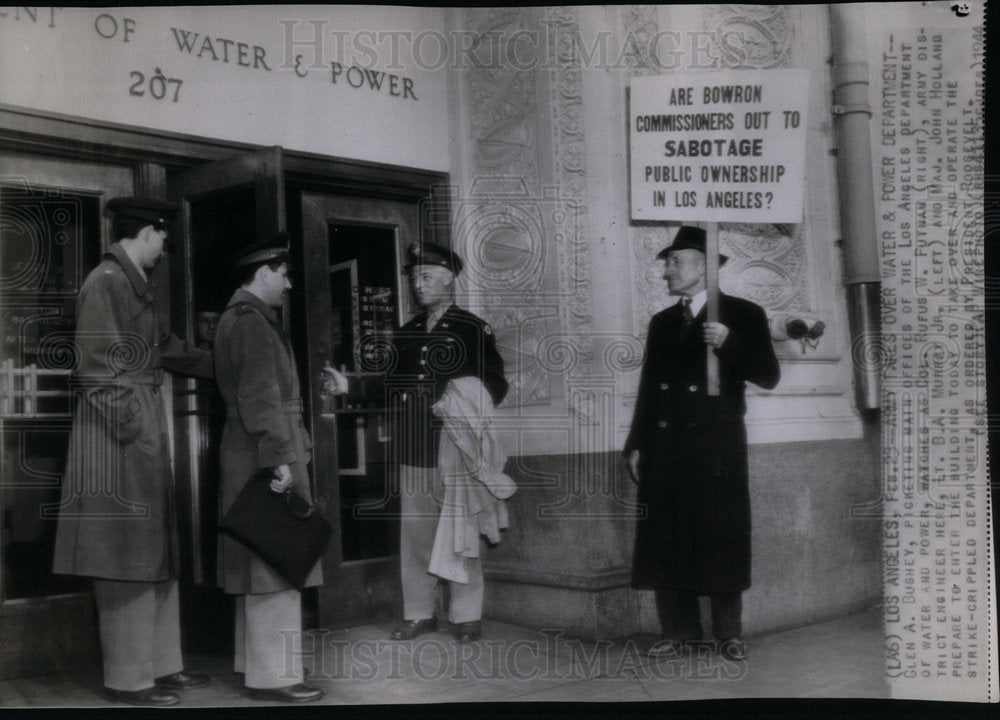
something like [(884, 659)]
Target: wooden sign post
[(712, 301)]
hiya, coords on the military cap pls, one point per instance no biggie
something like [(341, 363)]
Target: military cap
[(156, 212), (688, 238), (427, 253), (275, 250)]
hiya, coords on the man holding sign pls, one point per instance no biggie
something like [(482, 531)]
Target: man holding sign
[(687, 450)]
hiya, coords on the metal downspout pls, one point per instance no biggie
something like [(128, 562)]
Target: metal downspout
[(852, 115)]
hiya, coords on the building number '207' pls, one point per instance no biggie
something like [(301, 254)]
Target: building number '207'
[(158, 86)]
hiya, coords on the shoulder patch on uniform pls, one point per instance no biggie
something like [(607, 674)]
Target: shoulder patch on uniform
[(487, 329)]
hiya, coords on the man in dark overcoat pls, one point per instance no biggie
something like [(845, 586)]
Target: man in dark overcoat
[(439, 344), (688, 452), (256, 372), (117, 520)]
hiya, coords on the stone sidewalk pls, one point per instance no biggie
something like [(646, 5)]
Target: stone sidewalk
[(841, 658)]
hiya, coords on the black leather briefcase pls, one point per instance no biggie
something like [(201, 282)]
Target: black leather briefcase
[(285, 530)]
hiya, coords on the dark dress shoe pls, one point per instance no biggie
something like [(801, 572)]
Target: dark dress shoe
[(183, 680), (411, 628), (733, 649), (666, 648), (150, 697), (292, 694), (469, 631)]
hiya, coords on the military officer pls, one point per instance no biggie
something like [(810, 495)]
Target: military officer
[(441, 343), (257, 377), (117, 519), (689, 453)]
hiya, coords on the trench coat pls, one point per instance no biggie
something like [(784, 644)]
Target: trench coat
[(694, 534), (116, 518), (257, 377), (471, 464)]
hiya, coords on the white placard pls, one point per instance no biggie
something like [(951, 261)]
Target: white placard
[(718, 146)]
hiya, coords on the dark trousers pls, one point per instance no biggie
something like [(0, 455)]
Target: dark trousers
[(680, 618)]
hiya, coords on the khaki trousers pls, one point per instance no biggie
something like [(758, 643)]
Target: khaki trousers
[(421, 494), (140, 632), (268, 639)]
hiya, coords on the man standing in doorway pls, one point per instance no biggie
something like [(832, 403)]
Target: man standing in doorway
[(264, 432), (442, 343), (688, 452), (117, 520)]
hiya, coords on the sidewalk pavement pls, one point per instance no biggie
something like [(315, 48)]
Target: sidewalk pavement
[(840, 658)]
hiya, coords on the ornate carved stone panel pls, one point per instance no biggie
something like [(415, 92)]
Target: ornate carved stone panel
[(640, 29), (767, 264), (500, 227), (571, 239), (750, 36)]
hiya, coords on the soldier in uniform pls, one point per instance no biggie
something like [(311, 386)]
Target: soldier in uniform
[(117, 520), (257, 377), (688, 452), (441, 343)]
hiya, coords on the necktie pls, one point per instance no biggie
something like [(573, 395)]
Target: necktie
[(686, 309)]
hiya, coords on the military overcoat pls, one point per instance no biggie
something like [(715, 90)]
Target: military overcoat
[(117, 518), (257, 377), (694, 485)]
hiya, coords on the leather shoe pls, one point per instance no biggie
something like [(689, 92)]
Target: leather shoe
[(411, 628), (183, 680), (733, 649), (292, 694), (469, 631), (667, 648), (150, 697)]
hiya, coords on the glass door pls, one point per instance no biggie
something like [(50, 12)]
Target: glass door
[(355, 298), (52, 233)]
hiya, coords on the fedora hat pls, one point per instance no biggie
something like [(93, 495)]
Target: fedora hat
[(688, 237)]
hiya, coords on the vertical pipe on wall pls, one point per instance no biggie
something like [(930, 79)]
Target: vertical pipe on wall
[(852, 115)]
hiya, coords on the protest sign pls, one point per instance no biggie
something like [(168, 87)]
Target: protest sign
[(718, 146)]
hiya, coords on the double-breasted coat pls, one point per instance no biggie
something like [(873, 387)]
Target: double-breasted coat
[(693, 479), (257, 377), (117, 519), (422, 362)]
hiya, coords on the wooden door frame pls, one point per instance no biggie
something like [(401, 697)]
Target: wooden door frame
[(39, 132), (153, 154)]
